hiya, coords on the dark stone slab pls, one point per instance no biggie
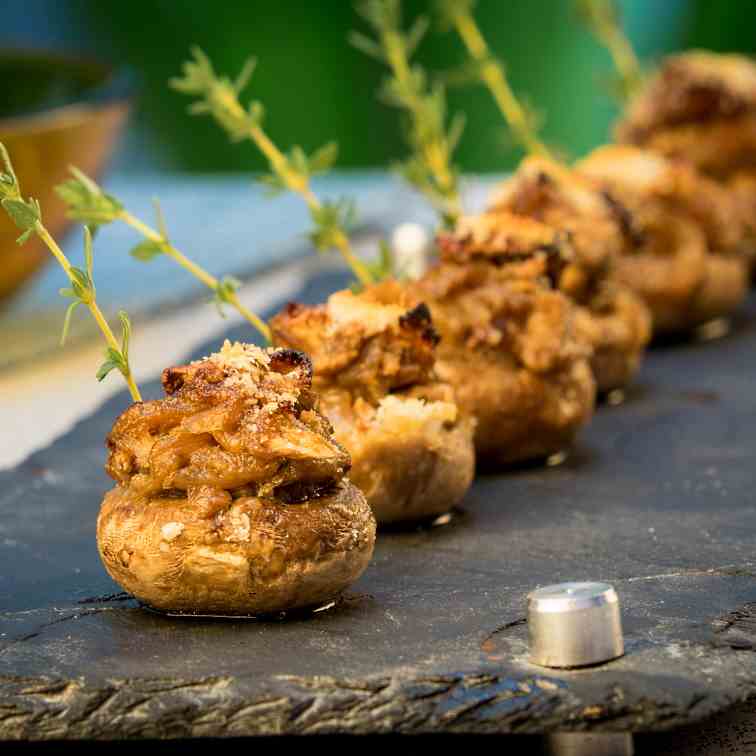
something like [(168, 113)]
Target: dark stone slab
[(656, 498)]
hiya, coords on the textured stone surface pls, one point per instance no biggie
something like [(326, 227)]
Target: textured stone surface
[(656, 498)]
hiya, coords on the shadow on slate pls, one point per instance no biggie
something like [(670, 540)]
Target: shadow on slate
[(657, 498)]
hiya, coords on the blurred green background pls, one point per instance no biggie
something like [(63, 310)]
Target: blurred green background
[(317, 88)]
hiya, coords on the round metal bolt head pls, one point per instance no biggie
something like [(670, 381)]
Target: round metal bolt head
[(574, 625)]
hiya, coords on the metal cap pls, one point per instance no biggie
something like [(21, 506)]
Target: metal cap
[(574, 625)]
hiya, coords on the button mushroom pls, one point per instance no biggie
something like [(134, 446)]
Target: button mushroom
[(232, 495), (374, 369)]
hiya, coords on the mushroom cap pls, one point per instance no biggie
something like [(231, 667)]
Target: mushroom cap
[(412, 458), (510, 345), (681, 282), (599, 229), (254, 557), (619, 330), (639, 176), (612, 319), (688, 265), (521, 415)]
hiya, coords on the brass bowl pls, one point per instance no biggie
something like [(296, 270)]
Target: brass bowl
[(55, 111)]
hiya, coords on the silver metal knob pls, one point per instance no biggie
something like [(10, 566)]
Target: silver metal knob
[(574, 625)]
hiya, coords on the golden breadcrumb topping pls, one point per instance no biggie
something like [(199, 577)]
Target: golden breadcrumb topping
[(598, 225), (368, 344), (503, 238), (493, 290)]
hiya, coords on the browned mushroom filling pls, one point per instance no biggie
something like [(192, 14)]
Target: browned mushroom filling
[(695, 87), (690, 266), (494, 289), (699, 106), (242, 422), (365, 347), (599, 225)]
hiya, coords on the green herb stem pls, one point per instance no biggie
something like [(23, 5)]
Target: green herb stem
[(436, 152), (27, 216), (431, 136), (198, 272), (495, 79), (91, 304), (218, 96), (603, 18), (300, 184), (623, 56)]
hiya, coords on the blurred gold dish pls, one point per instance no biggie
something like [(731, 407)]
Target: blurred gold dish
[(55, 111)]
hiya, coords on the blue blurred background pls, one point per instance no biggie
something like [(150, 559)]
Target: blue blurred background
[(317, 88)]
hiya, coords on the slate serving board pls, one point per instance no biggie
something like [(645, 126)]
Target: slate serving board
[(657, 498)]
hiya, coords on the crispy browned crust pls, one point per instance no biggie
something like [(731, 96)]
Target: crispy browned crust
[(634, 174), (694, 87), (689, 266), (510, 344), (717, 148), (597, 226), (503, 238), (255, 430), (700, 106), (369, 344), (219, 483), (373, 355)]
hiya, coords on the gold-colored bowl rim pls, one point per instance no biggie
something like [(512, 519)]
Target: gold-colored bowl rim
[(114, 86)]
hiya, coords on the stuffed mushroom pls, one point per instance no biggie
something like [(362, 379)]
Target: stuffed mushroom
[(700, 106), (374, 368), (742, 187), (688, 263), (511, 344), (232, 496), (616, 320)]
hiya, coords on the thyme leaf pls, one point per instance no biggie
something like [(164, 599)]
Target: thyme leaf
[(27, 215), (429, 167), (219, 97)]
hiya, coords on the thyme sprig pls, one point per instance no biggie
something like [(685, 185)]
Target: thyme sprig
[(27, 215), (522, 122), (603, 18), (89, 204), (219, 97), (430, 167)]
